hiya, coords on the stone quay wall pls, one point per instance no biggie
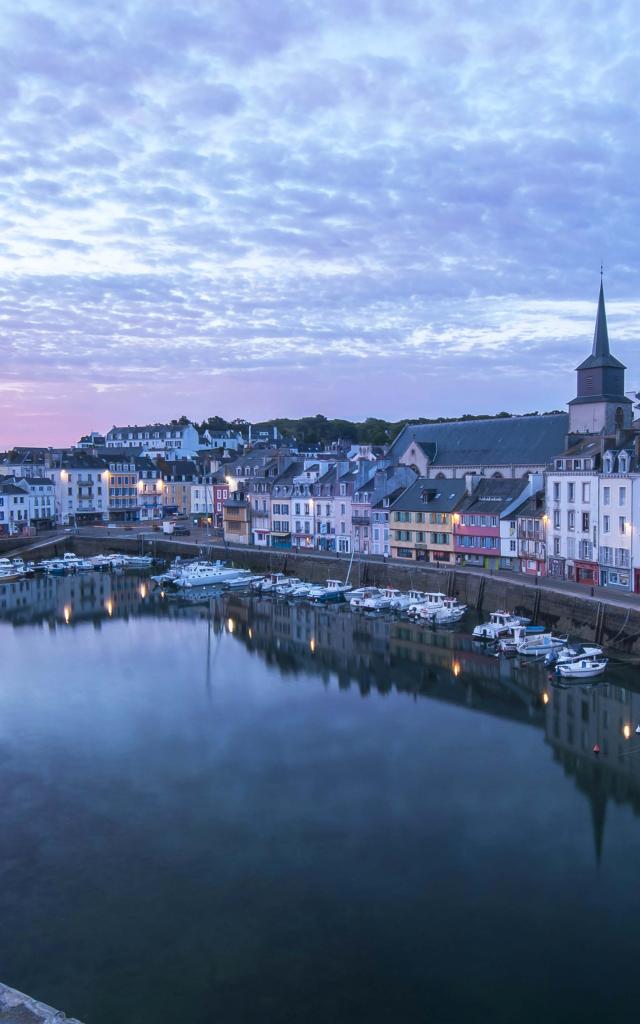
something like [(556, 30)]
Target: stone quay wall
[(580, 615), (17, 1008)]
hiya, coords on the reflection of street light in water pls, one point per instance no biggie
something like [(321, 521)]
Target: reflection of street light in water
[(109, 606), (545, 697), (626, 731), (312, 645), (456, 669), (67, 613), (143, 590), (231, 625)]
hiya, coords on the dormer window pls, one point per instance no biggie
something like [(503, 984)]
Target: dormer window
[(608, 464), (623, 463)]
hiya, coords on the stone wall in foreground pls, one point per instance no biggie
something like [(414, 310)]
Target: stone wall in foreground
[(17, 1008)]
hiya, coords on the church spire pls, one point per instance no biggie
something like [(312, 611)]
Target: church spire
[(601, 335)]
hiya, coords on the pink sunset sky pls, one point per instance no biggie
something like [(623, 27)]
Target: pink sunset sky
[(383, 208)]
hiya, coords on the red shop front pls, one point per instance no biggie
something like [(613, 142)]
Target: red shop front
[(587, 573)]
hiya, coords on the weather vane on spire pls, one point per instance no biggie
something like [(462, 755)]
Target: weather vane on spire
[(601, 271)]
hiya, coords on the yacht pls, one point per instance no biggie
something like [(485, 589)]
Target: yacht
[(9, 573), (436, 603)]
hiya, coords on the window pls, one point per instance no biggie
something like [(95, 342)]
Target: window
[(571, 495), (622, 524), (556, 519), (622, 496), (556, 545), (585, 522), (586, 492), (512, 545), (556, 492), (571, 520), (606, 496), (606, 524)]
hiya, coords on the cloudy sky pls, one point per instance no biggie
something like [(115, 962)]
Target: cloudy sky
[(356, 207)]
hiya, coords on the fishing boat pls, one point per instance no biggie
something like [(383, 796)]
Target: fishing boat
[(450, 613), (499, 622), (271, 582), (582, 668)]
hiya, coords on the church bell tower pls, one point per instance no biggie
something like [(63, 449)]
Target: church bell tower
[(601, 404)]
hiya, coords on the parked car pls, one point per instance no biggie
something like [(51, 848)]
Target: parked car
[(181, 531)]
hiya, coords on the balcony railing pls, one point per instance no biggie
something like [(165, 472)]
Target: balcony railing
[(361, 520)]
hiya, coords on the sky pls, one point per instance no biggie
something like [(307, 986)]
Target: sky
[(354, 207)]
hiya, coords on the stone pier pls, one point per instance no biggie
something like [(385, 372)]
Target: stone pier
[(16, 1008)]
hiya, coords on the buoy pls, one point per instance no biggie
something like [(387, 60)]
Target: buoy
[(596, 748)]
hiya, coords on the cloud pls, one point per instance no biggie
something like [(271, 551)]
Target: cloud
[(370, 205)]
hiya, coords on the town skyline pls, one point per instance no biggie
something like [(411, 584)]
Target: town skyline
[(374, 209)]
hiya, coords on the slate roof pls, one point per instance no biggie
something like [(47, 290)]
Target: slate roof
[(431, 495), (519, 440), (492, 497), (533, 506)]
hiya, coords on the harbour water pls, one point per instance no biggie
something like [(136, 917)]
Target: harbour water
[(245, 810)]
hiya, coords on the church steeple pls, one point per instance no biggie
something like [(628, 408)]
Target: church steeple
[(601, 353), (601, 404)]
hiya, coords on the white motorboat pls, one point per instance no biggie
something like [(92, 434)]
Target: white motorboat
[(369, 599), (204, 574), (398, 601), (450, 613), (532, 644), (499, 623), (430, 602), (286, 586), (582, 668), (573, 653), (335, 590), (270, 582), (137, 561), (9, 573)]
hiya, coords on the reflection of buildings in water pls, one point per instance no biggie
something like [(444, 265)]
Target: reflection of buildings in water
[(385, 653), (591, 730), (81, 597)]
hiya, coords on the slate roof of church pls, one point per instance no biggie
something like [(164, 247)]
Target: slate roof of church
[(517, 440)]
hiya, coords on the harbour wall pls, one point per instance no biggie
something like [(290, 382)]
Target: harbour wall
[(580, 615)]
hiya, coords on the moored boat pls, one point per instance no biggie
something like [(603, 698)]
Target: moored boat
[(499, 622), (582, 668)]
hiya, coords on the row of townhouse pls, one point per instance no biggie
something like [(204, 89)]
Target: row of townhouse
[(78, 488), (26, 504)]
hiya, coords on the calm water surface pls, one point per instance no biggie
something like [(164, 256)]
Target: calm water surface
[(255, 812)]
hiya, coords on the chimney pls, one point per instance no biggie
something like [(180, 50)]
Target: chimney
[(471, 481)]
